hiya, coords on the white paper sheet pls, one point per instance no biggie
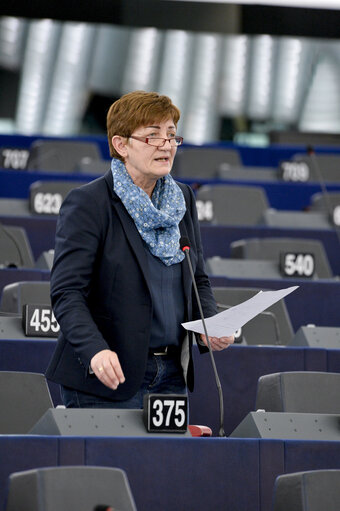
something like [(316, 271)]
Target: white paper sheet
[(226, 323)]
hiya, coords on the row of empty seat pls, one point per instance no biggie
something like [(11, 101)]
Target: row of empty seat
[(71, 156), (216, 205), (271, 327), (25, 399), (279, 332), (57, 156), (219, 163), (273, 258), (81, 488), (248, 205)]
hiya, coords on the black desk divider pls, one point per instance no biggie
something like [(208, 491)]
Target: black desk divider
[(289, 426), (11, 328), (317, 337), (24, 398)]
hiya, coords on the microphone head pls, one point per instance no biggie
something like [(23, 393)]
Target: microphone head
[(184, 243)]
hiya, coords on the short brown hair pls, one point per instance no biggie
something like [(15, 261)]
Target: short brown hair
[(136, 109)]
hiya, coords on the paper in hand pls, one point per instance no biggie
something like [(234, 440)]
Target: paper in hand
[(226, 323)]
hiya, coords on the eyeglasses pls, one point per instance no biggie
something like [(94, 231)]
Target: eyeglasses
[(159, 142)]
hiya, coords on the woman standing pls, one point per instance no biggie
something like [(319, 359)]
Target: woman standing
[(120, 287)]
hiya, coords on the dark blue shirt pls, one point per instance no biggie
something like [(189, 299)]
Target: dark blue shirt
[(168, 302)]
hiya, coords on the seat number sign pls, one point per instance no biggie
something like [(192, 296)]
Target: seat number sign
[(297, 264), (294, 171), (14, 158), (166, 413), (336, 216), (39, 321), (205, 210), (46, 203)]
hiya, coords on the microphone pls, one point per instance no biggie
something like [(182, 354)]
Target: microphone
[(102, 507), (185, 247)]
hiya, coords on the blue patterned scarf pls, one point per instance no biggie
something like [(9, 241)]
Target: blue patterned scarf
[(157, 218)]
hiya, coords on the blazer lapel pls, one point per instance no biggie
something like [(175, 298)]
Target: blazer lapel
[(133, 237), (129, 228)]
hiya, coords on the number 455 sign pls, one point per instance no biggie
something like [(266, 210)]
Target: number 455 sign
[(165, 413), (39, 321)]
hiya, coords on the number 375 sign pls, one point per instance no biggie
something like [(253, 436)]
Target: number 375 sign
[(165, 413)]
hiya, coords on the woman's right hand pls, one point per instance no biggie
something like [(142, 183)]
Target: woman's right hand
[(106, 366)]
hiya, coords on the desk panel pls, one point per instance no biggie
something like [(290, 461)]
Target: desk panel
[(184, 474), (200, 474)]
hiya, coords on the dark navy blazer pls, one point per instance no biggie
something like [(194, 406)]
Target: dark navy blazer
[(99, 288)]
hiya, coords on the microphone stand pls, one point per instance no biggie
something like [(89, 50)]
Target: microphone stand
[(328, 205), (221, 432)]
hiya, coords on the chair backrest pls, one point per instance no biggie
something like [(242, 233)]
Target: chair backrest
[(60, 155), (14, 207), (24, 398), (239, 268), (299, 392), (80, 488), (296, 219), (15, 249), (288, 137), (329, 205), (258, 174), (231, 205), (272, 249), (318, 201), (94, 167), (15, 296), (260, 331), (314, 490), (255, 331), (204, 162)]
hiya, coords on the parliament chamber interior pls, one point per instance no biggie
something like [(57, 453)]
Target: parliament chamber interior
[(268, 206)]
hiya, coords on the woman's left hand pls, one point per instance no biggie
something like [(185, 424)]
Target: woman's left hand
[(218, 343)]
